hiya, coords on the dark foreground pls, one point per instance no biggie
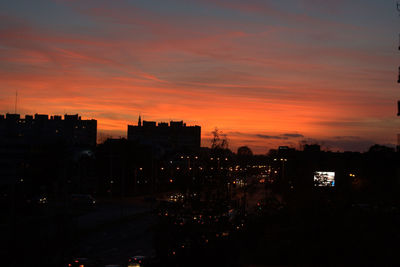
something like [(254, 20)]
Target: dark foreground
[(198, 232)]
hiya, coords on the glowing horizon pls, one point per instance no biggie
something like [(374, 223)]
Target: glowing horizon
[(265, 73)]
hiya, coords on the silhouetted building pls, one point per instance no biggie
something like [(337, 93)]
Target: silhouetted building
[(173, 137), (398, 142), (39, 138), (398, 108), (41, 129)]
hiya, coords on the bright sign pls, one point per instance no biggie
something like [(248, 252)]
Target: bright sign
[(324, 178)]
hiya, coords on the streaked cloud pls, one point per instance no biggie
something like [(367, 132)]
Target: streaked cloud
[(266, 69)]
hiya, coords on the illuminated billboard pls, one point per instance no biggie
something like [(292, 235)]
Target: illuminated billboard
[(324, 178)]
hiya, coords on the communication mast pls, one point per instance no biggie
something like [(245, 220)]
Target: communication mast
[(16, 101)]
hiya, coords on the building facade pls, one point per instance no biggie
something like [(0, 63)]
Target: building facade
[(175, 136), (42, 129), (33, 145)]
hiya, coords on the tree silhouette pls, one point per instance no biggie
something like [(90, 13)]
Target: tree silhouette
[(244, 151), (219, 141)]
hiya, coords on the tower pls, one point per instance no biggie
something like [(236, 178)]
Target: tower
[(140, 121)]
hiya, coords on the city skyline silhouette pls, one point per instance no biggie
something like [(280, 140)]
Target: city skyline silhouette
[(199, 133)]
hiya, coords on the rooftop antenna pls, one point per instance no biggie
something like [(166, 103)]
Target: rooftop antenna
[(16, 98)]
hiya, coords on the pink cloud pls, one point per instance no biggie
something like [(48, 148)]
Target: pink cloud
[(237, 79)]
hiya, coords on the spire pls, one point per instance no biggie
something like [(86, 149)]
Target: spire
[(140, 121)]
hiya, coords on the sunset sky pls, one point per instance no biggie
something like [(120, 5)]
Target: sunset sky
[(266, 73)]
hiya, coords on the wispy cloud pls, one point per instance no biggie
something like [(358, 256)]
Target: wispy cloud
[(266, 72), (285, 136)]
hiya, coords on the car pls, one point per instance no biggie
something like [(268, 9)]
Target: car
[(39, 200), (178, 197), (137, 261), (80, 262)]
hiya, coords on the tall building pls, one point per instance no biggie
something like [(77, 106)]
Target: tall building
[(175, 136), (40, 129), (38, 138)]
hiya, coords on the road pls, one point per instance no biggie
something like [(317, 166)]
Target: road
[(115, 231)]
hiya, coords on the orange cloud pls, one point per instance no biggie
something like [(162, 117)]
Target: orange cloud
[(244, 75)]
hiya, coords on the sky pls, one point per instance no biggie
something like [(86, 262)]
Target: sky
[(265, 73)]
